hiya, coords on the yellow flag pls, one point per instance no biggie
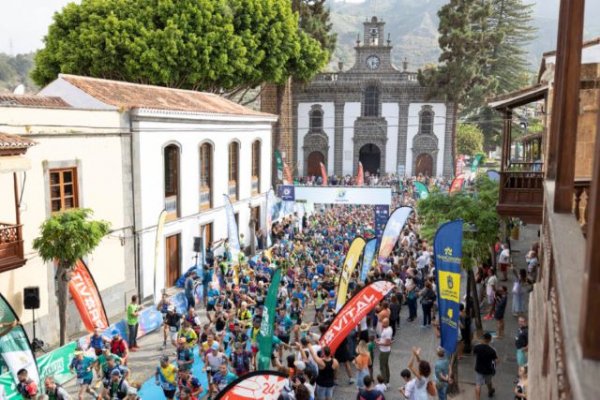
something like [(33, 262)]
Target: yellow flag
[(354, 252)]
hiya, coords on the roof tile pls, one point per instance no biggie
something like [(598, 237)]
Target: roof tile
[(32, 101), (8, 141)]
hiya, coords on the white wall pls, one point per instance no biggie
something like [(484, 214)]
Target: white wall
[(352, 111), (328, 128), (439, 129), (391, 111), (149, 142), (72, 141)]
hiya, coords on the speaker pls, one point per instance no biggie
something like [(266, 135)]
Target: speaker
[(31, 297), (197, 244)]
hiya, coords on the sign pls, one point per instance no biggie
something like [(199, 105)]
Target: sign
[(457, 184), (368, 257), (232, 231), (344, 195), (87, 299), (267, 331), (447, 248), (265, 385), (401, 170), (348, 267), (355, 309), (382, 214), (392, 230), (421, 190)]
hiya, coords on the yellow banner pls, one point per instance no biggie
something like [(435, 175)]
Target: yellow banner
[(449, 286), (354, 252)]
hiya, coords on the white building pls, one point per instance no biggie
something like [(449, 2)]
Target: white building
[(187, 150)]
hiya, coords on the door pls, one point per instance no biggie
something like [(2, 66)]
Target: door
[(313, 167), (370, 157), (173, 268), (424, 165)]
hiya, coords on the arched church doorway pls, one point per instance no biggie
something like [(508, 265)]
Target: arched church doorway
[(313, 164), (424, 165), (370, 157)]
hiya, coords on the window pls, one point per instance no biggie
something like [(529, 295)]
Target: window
[(256, 166), (371, 102), (63, 189), (171, 155), (426, 122), (206, 166), (234, 150), (316, 120)]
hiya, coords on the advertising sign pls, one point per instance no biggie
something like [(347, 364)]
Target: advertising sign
[(232, 231), (344, 195), (382, 214), (354, 252), (87, 299), (368, 257), (265, 385), (392, 230)]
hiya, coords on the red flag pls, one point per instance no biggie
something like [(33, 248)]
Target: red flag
[(360, 178), (287, 175), (266, 385), (353, 312), (324, 174), (87, 298), (457, 184)]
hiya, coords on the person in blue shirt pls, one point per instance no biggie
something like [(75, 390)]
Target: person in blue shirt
[(82, 367), (98, 342), (222, 378), (189, 289), (213, 294)]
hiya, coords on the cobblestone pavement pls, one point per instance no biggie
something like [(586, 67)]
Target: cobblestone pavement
[(143, 362)]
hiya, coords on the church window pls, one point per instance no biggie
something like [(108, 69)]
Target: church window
[(316, 120), (371, 105), (426, 122)]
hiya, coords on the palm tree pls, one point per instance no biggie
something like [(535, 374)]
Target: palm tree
[(64, 238)]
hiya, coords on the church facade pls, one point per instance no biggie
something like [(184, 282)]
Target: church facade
[(373, 113)]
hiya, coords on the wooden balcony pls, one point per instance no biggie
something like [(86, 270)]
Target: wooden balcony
[(522, 192), (11, 247), (581, 197)]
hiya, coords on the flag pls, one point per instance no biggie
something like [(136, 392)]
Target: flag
[(323, 174), (421, 189), (264, 385), (14, 344), (447, 249), (287, 175), (232, 231), (269, 215), (476, 162), (392, 230), (279, 165), (368, 257), (493, 175), (355, 309), (162, 218), (460, 164), (356, 248), (360, 178), (267, 331), (457, 184), (87, 299)]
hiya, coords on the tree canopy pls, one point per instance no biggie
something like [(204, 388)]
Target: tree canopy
[(469, 139), (212, 45)]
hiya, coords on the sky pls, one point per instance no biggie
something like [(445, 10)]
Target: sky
[(23, 23)]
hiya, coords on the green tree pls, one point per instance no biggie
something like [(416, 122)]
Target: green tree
[(315, 21), (469, 139), (213, 45), (64, 238)]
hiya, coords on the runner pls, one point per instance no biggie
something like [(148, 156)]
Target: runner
[(82, 367), (166, 377)]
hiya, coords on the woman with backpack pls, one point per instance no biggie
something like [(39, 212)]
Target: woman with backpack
[(428, 297)]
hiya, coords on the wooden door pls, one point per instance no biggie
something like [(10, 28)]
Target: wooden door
[(424, 165), (173, 267), (313, 167)]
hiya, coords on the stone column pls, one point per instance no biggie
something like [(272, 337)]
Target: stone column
[(402, 132), (448, 167), (338, 149)]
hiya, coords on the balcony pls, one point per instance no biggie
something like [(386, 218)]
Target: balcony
[(11, 247), (205, 196), (581, 197), (522, 192)]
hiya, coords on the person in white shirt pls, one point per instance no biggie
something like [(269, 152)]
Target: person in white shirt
[(504, 261), (385, 348)]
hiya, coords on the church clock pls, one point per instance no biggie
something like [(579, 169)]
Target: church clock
[(373, 62)]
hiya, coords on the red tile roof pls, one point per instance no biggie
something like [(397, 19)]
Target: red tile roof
[(8, 141), (132, 95), (32, 101)]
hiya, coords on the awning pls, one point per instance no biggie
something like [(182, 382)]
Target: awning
[(519, 98), (9, 164)]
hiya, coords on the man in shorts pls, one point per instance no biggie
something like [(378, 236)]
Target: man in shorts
[(82, 366), (166, 377), (172, 323), (504, 261), (485, 365)]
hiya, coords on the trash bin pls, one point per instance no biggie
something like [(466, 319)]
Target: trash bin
[(514, 233)]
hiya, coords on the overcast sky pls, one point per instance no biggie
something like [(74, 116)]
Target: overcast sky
[(23, 23)]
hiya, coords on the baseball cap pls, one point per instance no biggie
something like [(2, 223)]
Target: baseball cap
[(116, 372), (215, 346), (115, 332), (300, 365)]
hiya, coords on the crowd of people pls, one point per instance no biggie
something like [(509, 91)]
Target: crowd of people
[(310, 252)]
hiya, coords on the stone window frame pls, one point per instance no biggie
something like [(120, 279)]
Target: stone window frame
[(315, 108), (367, 86), (426, 109), (315, 142)]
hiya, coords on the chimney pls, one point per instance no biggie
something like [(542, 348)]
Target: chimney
[(405, 64)]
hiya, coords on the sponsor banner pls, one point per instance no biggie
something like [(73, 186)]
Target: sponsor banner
[(350, 261), (14, 344), (267, 326), (287, 175), (324, 174), (382, 214), (401, 170), (355, 309), (368, 258), (493, 175), (232, 231), (264, 385), (158, 245), (460, 165), (279, 164), (392, 230), (286, 192), (447, 248), (476, 162), (457, 184), (87, 299), (360, 177), (344, 195), (269, 215), (422, 191)]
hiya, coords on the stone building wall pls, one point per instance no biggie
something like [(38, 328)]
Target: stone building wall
[(588, 114)]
